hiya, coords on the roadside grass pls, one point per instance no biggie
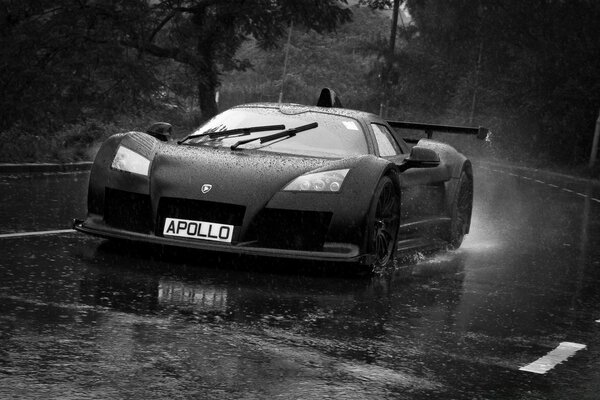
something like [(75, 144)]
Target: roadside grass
[(80, 141)]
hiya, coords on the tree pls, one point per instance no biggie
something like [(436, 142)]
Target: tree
[(342, 60), (64, 59), (531, 68), (205, 35), (61, 60), (388, 76), (394, 5)]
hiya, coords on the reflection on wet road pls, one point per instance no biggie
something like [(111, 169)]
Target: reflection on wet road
[(41, 202), (85, 318)]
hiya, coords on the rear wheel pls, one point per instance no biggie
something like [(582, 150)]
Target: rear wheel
[(461, 208), (383, 223)]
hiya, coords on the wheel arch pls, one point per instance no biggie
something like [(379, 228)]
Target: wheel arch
[(350, 215), (389, 170)]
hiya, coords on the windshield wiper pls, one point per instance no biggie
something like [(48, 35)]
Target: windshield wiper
[(284, 134), (237, 131)]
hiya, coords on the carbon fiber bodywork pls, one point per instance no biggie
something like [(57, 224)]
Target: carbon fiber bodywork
[(246, 192)]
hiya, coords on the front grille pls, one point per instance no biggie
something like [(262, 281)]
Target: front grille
[(129, 211), (291, 229), (198, 210)]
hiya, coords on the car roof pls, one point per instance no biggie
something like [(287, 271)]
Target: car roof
[(293, 109)]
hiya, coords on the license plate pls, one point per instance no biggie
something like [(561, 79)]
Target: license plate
[(198, 230)]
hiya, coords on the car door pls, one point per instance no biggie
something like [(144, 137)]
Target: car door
[(422, 189)]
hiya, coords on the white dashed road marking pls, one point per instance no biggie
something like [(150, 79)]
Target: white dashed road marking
[(564, 349), (38, 233), (553, 358), (545, 183)]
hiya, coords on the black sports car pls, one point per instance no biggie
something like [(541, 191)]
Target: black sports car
[(286, 180)]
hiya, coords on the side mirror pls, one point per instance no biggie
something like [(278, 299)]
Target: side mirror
[(421, 157), (160, 130)]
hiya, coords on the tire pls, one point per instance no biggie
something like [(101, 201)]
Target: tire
[(383, 223), (460, 212)]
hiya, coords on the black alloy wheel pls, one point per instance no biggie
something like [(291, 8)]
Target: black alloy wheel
[(384, 222)]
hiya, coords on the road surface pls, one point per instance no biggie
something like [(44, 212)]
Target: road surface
[(513, 314)]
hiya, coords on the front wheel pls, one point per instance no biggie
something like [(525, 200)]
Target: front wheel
[(383, 223), (460, 210)]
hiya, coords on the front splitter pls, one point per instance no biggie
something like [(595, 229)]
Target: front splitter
[(347, 252)]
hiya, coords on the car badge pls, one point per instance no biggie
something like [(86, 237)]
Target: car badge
[(206, 188)]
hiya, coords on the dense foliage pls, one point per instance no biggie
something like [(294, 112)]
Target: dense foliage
[(344, 60), (529, 69), (60, 57), (66, 62), (71, 69)]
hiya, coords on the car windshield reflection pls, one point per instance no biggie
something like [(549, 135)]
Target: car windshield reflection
[(336, 136)]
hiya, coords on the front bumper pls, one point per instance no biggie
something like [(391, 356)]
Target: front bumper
[(332, 252)]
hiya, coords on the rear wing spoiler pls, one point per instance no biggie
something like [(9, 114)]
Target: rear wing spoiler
[(481, 132)]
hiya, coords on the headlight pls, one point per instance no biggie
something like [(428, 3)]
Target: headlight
[(130, 161), (328, 181)]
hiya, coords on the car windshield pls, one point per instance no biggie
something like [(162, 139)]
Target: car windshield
[(336, 136)]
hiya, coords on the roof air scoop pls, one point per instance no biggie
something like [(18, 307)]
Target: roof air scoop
[(161, 131), (329, 98)]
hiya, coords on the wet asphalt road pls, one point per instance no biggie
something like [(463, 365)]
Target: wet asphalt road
[(83, 318)]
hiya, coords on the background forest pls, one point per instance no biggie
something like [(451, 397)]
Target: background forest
[(73, 72)]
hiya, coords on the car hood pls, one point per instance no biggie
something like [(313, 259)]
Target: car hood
[(236, 177)]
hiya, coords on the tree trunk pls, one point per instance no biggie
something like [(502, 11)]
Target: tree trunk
[(207, 73), (386, 76), (208, 80), (394, 30), (206, 98)]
